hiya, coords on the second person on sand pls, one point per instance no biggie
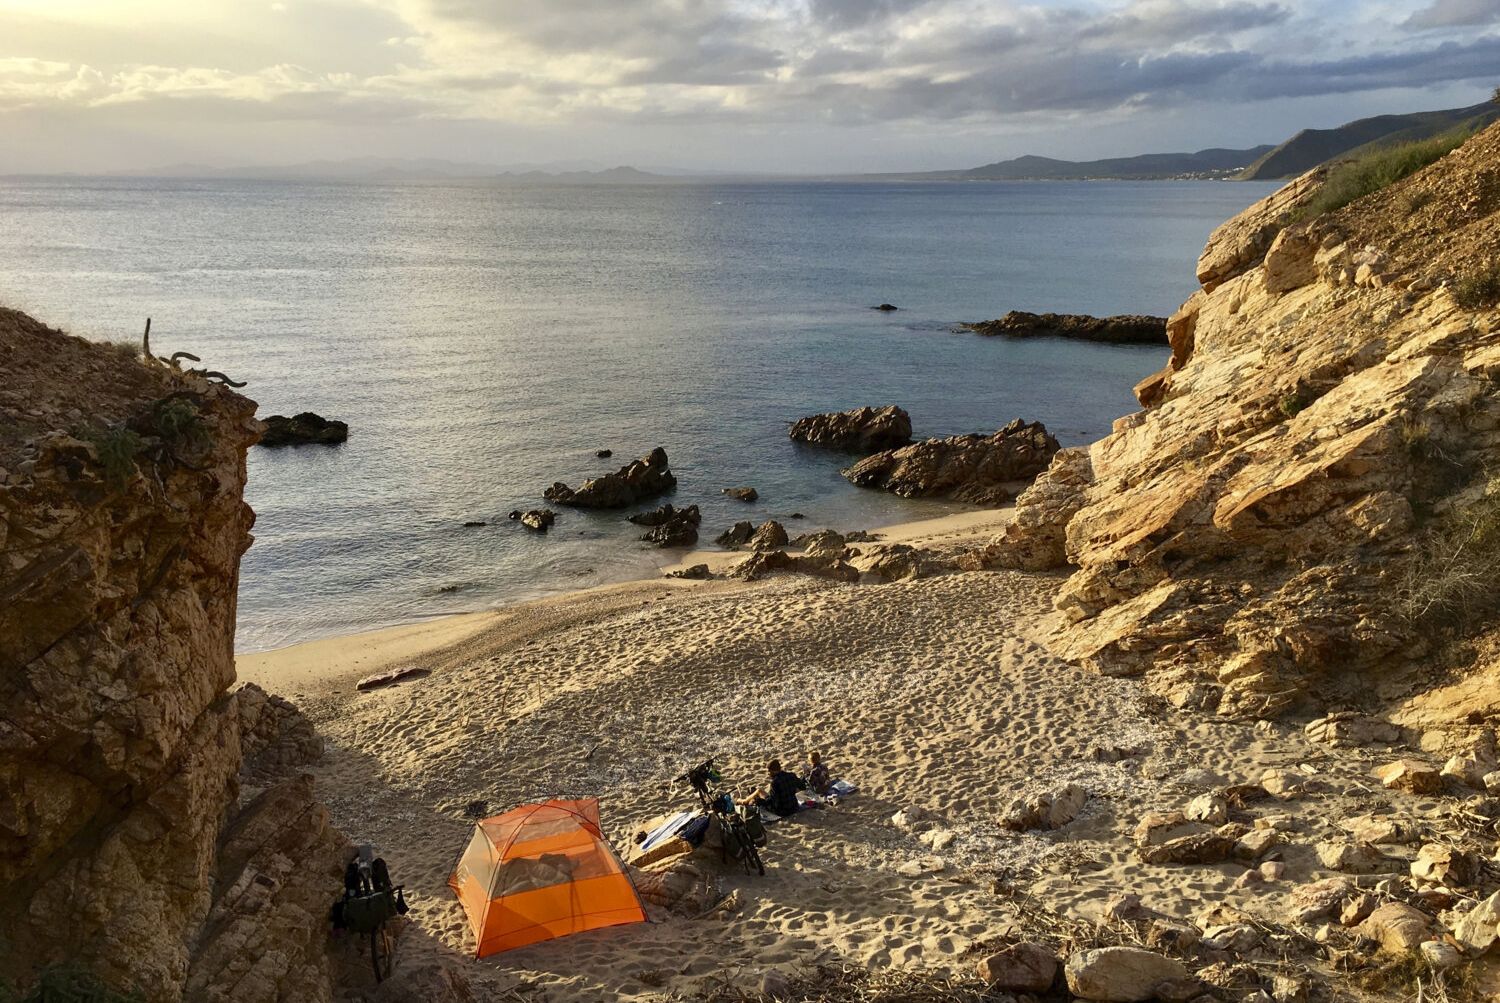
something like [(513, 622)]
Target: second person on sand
[(780, 796)]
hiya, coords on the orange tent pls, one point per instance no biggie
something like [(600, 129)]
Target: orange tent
[(542, 871)]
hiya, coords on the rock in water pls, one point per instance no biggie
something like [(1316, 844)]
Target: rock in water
[(680, 529), (643, 478), (886, 308), (1130, 329), (1120, 974), (863, 430), (736, 536), (741, 494), (539, 519), (969, 468), (303, 429), (604, 454)]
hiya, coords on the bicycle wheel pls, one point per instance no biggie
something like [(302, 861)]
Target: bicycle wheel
[(381, 956)]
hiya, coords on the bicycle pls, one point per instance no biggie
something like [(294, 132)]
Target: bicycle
[(369, 901), (736, 840)]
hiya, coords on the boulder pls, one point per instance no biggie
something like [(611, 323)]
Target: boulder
[(1478, 929), (1021, 968), (1346, 729), (736, 536), (1283, 785), (862, 430), (1383, 830), (1445, 865), (647, 477), (1398, 927), (886, 308), (893, 562), (1467, 770), (1129, 329), (1045, 809), (978, 469), (1354, 858), (825, 543), (1411, 776), (1120, 974), (303, 429), (770, 535), (698, 572), (1210, 847), (657, 516), (1319, 900), (1256, 844), (1210, 808), (679, 530), (741, 494), (539, 519), (604, 454)]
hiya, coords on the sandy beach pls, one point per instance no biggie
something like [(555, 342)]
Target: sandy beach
[(939, 694)]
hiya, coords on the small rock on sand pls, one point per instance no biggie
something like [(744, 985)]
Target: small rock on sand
[(1411, 776), (1023, 968), (1120, 974)]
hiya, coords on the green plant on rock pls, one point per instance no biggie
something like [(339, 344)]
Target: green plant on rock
[(1292, 404), (178, 423), (117, 449), (1377, 169), (1478, 290)]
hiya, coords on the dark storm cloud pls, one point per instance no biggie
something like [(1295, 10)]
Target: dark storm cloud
[(1455, 14), (1451, 61)]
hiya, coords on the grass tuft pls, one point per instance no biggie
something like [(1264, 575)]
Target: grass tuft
[(125, 349), (1450, 580), (1479, 290), (1380, 168)]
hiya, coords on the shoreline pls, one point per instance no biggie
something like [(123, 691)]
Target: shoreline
[(328, 663)]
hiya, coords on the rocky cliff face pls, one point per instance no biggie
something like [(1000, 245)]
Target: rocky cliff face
[(121, 529), (1331, 400)]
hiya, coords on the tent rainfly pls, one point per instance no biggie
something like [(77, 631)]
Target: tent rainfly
[(542, 871)]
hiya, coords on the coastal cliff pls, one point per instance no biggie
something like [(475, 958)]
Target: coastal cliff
[(128, 846), (1263, 534)]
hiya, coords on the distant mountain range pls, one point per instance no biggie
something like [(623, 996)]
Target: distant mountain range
[(1312, 147), (1304, 151), (1215, 163)]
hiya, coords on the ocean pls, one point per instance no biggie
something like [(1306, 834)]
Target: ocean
[(484, 340)]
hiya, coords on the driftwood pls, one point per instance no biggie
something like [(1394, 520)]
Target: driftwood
[(175, 361), (380, 679)]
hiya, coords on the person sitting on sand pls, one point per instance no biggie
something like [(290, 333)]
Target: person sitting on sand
[(818, 779), (782, 798)]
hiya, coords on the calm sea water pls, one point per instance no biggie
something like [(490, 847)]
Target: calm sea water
[(483, 341)]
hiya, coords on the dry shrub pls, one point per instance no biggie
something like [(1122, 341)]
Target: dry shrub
[(1450, 580)]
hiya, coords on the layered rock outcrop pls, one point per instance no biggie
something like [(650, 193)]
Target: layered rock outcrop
[(862, 430), (978, 469), (647, 477), (121, 746), (1244, 539), (1124, 329)]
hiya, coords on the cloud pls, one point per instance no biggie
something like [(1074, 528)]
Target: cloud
[(1455, 14), (848, 62)]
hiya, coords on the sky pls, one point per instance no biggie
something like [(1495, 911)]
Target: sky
[(757, 85)]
